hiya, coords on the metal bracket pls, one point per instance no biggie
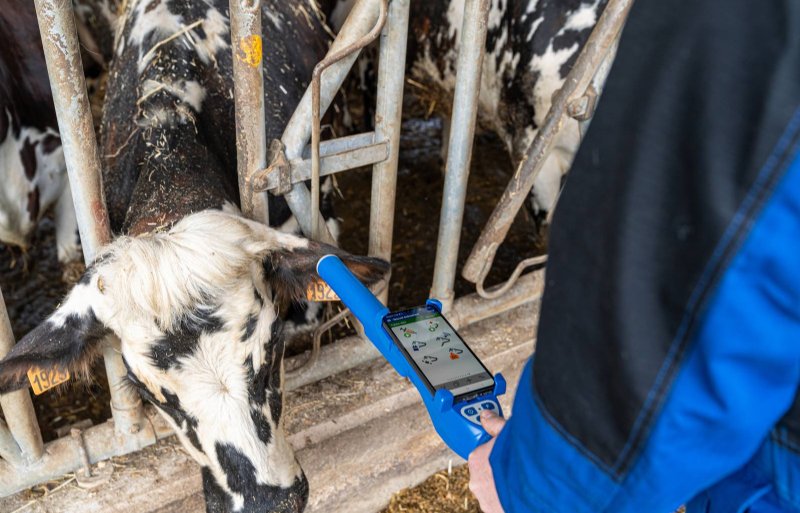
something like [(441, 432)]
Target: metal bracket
[(583, 107), (86, 478), (276, 163)]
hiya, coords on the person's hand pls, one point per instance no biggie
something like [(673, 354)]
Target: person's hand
[(481, 480)]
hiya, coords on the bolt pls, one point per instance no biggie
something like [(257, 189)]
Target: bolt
[(135, 428), (77, 435)]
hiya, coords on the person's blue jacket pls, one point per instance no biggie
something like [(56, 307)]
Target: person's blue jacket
[(667, 364)]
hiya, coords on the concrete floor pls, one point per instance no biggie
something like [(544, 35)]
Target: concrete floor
[(360, 436)]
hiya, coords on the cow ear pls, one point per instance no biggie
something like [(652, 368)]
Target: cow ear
[(290, 271), (70, 339)]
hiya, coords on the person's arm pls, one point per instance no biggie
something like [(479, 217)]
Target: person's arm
[(667, 346)]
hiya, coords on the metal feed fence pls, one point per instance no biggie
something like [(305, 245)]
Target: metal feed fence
[(282, 167)]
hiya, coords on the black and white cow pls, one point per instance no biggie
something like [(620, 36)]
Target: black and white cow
[(32, 170), (531, 45), (185, 287)]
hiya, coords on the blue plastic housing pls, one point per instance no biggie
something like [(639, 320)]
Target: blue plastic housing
[(457, 431)]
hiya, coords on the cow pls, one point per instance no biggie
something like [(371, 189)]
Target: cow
[(186, 286), (531, 45), (32, 168)]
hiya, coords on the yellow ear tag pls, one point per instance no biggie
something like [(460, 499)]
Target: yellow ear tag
[(43, 380), (319, 291)]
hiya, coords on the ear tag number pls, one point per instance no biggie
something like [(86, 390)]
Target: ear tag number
[(319, 291), (43, 380)]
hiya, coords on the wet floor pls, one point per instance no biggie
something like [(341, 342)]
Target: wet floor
[(32, 285)]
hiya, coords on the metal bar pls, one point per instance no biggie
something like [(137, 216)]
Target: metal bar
[(9, 449), (342, 144), (602, 39), (331, 163), (17, 406), (472, 47), (298, 131), (330, 59), (248, 80), (388, 120), (64, 67), (352, 351), (63, 455)]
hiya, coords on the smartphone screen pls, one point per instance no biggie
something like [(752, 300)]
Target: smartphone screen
[(437, 351)]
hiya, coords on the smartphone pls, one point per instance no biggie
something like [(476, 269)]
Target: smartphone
[(437, 353)]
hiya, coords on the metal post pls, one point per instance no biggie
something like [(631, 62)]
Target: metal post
[(18, 409), (571, 98), (62, 53), (248, 80), (330, 59), (472, 47), (298, 131), (9, 449), (388, 119)]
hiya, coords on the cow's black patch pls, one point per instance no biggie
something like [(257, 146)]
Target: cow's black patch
[(257, 383), (167, 350), (50, 143), (33, 204), (241, 479), (217, 501), (86, 277), (172, 407), (27, 154), (263, 429), (249, 326)]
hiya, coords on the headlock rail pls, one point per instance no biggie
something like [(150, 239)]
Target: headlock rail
[(281, 167)]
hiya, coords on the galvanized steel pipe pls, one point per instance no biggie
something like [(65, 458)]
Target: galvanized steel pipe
[(9, 449), (21, 441), (64, 67), (472, 46), (330, 59), (298, 131), (388, 120), (63, 455), (248, 80), (593, 55)]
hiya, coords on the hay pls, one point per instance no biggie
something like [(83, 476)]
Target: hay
[(442, 492)]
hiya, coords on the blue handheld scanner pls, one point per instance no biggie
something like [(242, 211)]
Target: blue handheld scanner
[(457, 424)]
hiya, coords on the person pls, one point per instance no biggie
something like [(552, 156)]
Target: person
[(668, 352)]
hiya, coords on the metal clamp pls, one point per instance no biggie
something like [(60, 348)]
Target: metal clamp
[(276, 163), (582, 108), (85, 477)]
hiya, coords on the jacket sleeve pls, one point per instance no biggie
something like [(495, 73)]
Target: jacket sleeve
[(667, 344)]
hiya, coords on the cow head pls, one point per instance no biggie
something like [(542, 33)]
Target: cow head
[(201, 339)]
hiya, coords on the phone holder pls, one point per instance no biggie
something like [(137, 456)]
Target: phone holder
[(458, 424)]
